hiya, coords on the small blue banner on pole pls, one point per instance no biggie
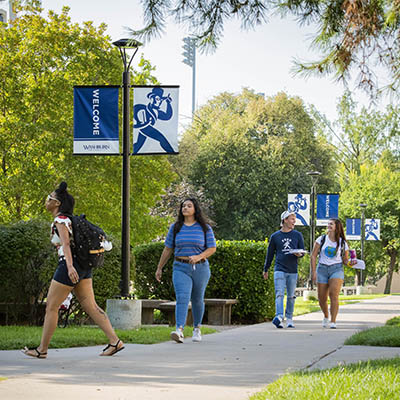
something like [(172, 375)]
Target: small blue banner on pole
[(96, 128), (353, 229), (372, 229), (300, 204), (155, 119), (327, 208)]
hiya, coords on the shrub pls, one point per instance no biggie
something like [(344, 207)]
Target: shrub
[(27, 264), (236, 272), (106, 279), (27, 261)]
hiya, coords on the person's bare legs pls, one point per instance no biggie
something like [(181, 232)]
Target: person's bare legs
[(335, 285), (323, 298), (56, 295), (85, 295)]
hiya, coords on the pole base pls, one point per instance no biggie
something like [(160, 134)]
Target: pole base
[(310, 295), (363, 290), (124, 313)]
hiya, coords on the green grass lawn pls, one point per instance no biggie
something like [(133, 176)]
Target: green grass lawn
[(16, 337), (378, 379), (386, 336), (304, 307)]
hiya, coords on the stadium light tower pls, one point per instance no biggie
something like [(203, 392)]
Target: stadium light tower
[(189, 47)]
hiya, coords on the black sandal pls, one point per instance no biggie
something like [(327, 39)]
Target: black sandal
[(37, 355), (115, 349)]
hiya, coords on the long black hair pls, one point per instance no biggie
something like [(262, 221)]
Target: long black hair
[(66, 200), (199, 216)]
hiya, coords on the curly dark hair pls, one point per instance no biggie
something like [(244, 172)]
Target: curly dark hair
[(199, 216), (66, 200)]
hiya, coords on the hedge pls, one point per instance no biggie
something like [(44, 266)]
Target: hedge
[(27, 264), (236, 273)]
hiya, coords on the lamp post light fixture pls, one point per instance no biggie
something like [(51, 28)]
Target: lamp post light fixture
[(362, 207), (314, 179), (124, 45)]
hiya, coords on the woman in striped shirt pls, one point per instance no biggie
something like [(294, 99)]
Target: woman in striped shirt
[(191, 240)]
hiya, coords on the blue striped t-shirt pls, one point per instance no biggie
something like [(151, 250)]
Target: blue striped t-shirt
[(189, 241)]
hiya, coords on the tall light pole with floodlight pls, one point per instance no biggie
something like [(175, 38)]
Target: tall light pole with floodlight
[(124, 45), (189, 53)]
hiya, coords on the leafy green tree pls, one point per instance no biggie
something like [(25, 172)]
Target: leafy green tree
[(41, 59), (361, 135), (349, 33), (378, 186), (352, 35), (248, 153)]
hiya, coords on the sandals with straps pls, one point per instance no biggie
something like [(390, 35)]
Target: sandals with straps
[(37, 355), (114, 350)]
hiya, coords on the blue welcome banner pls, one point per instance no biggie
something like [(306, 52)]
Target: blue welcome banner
[(353, 228), (96, 120), (327, 208)]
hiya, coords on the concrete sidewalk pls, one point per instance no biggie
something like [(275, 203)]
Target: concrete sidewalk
[(228, 365)]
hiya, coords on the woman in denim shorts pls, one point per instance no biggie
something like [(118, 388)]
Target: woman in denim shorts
[(69, 276), (333, 252)]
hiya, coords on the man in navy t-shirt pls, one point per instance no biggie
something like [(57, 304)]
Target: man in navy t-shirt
[(282, 245)]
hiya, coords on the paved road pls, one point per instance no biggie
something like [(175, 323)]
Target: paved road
[(228, 365)]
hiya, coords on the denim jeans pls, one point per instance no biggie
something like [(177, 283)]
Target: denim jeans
[(190, 282), (282, 281)]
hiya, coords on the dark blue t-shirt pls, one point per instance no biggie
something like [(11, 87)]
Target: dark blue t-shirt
[(279, 243)]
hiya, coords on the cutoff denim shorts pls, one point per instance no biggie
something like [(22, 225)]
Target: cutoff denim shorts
[(61, 274), (326, 272)]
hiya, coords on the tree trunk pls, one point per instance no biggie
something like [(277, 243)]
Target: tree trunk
[(393, 257)]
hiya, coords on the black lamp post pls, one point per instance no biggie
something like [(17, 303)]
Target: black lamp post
[(363, 207), (123, 45), (314, 178)]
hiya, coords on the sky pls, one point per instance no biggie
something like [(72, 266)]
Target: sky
[(260, 59)]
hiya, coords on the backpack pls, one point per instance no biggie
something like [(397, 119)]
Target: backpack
[(342, 246), (87, 241)]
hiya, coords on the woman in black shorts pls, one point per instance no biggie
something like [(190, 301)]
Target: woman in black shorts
[(69, 276)]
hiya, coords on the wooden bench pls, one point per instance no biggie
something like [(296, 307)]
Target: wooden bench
[(168, 309), (148, 307), (218, 311), (349, 290)]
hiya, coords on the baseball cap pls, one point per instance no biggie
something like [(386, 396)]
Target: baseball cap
[(286, 214)]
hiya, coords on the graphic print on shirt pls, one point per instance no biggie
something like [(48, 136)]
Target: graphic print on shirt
[(286, 244), (330, 251)]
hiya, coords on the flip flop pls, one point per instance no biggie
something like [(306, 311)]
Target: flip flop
[(37, 355), (115, 349)]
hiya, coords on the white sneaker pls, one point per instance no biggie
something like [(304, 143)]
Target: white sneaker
[(325, 322), (289, 323), (332, 325), (196, 337), (177, 335)]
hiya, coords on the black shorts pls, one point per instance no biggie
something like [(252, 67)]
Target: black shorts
[(61, 274)]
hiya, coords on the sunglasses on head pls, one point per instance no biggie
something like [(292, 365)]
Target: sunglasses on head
[(50, 197)]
